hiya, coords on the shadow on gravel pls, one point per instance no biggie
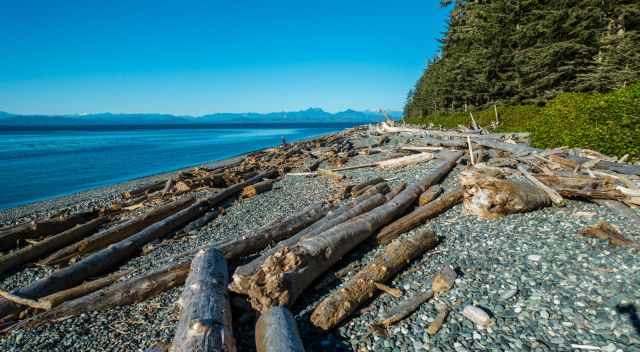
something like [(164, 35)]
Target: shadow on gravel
[(632, 311)]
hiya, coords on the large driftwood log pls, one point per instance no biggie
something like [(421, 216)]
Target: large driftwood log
[(276, 331), (621, 168), (50, 301), (339, 305), (103, 260), (405, 160), (10, 238), (126, 292), (418, 216), (205, 317), (274, 232), (116, 233), (429, 195), (28, 254), (346, 212), (490, 197), (255, 189), (288, 272)]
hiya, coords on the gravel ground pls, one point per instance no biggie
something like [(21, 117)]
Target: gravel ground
[(545, 286)]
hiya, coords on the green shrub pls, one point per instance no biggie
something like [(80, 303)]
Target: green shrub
[(608, 123)]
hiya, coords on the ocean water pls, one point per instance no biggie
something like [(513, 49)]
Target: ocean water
[(37, 163)]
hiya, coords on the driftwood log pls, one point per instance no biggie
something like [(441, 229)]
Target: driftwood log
[(340, 304), (288, 272), (243, 274), (205, 317), (489, 197), (152, 187), (276, 331), (37, 250), (103, 260), (12, 237), (116, 233), (255, 189), (420, 215), (273, 232), (126, 292), (430, 194)]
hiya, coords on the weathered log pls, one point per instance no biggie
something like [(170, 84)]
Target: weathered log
[(203, 220), (205, 317), (167, 186), (626, 169), (420, 215), (28, 254), (105, 259), (243, 275), (274, 232), (490, 197), (276, 331), (429, 195), (11, 237), (116, 233), (610, 233), (137, 289), (395, 190), (555, 197), (152, 187), (393, 291), (405, 161), (50, 301), (366, 184), (518, 149), (340, 304), (381, 187), (404, 309), (443, 312), (255, 189), (288, 272)]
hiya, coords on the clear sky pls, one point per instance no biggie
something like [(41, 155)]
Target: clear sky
[(198, 57)]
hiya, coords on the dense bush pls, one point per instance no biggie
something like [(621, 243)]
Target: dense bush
[(608, 123)]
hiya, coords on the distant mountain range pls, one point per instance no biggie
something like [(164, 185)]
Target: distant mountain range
[(313, 115)]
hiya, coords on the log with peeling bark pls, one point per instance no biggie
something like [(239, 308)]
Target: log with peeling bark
[(340, 304), (116, 233), (12, 237), (105, 259), (288, 272), (255, 189), (37, 250), (134, 290), (276, 331), (489, 197), (50, 301), (344, 213), (274, 232), (205, 317), (420, 215), (429, 195)]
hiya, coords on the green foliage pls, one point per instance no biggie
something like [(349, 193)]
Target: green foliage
[(528, 52), (608, 123)]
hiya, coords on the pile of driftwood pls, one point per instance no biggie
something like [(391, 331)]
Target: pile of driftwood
[(501, 174)]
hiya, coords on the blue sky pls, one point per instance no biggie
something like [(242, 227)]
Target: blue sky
[(198, 57)]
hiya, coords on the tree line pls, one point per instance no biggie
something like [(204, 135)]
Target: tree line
[(527, 52)]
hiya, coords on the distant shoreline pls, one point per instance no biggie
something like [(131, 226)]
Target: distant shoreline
[(111, 191)]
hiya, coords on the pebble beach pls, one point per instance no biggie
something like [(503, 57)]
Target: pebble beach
[(546, 287)]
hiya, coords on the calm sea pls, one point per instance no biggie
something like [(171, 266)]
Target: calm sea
[(37, 163)]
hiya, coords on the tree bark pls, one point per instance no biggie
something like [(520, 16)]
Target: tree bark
[(418, 216), (384, 266), (116, 233), (276, 331), (288, 272), (205, 318), (10, 238), (28, 254), (105, 259)]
